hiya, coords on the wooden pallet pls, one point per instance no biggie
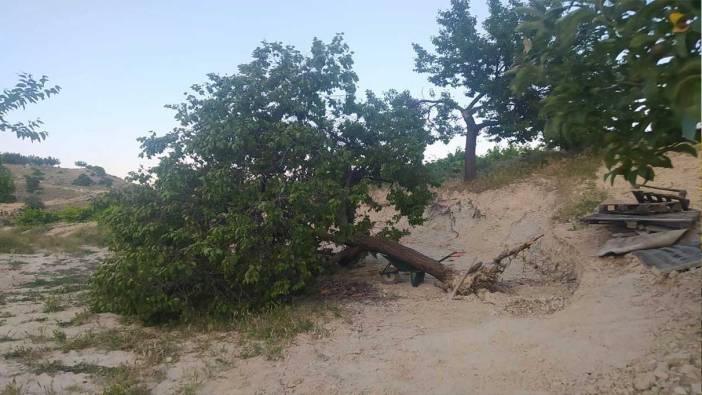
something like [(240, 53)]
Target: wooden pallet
[(640, 208)]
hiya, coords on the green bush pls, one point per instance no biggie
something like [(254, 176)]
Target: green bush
[(33, 201), (7, 186), (75, 214), (36, 216), (105, 181), (32, 181), (83, 180)]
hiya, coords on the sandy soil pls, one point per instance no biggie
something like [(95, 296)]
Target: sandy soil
[(564, 320)]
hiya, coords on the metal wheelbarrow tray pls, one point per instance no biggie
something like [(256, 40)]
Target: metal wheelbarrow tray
[(391, 272)]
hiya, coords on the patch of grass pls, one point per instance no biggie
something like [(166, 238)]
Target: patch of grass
[(12, 389), (268, 333), (15, 264), (52, 304), (153, 347), (582, 204), (27, 240), (53, 367), (123, 380), (59, 336), (28, 355), (79, 319)]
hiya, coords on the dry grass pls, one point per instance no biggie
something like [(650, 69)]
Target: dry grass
[(270, 332), (21, 240)]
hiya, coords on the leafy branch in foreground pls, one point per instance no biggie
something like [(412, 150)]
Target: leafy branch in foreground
[(27, 90), (621, 74)]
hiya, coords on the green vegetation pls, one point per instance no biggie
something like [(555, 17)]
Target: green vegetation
[(499, 166), (35, 215), (7, 185), (83, 180), (32, 181), (27, 90), (479, 63), (236, 218), (12, 158), (12, 389), (52, 304), (153, 347), (269, 332), (638, 88), (96, 171)]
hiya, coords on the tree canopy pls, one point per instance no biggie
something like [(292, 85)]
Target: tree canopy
[(621, 74), (266, 171), (479, 63)]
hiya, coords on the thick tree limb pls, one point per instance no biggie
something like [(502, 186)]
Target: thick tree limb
[(347, 256)]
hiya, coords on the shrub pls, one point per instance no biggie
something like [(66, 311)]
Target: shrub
[(35, 216), (83, 180), (32, 181), (7, 186), (34, 202), (106, 182), (75, 214)]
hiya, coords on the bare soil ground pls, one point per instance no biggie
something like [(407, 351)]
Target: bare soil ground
[(562, 320)]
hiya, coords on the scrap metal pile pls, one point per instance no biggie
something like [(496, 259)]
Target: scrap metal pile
[(660, 229)]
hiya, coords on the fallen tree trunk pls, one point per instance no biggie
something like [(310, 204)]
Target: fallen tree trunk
[(482, 275), (397, 251)]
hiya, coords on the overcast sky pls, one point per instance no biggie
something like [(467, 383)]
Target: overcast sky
[(119, 62)]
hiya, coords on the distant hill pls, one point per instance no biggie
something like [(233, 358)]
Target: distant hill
[(57, 188)]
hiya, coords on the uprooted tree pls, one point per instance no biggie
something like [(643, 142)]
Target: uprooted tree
[(265, 174)]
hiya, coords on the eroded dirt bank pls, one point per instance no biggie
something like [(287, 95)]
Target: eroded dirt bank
[(562, 321)]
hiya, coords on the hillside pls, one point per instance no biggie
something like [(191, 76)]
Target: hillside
[(57, 189)]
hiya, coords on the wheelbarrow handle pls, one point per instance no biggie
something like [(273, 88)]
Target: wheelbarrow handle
[(454, 254)]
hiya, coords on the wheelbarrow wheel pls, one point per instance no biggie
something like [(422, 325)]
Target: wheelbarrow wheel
[(416, 278), (390, 278)]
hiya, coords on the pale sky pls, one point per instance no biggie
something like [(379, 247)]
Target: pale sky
[(119, 62)]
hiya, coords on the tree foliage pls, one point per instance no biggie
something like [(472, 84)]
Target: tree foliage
[(33, 180), (27, 90), (83, 180), (625, 74), (479, 63), (268, 166), (13, 158), (7, 185)]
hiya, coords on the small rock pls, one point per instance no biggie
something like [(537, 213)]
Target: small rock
[(680, 391), (644, 381), (677, 359), (688, 369), (696, 388), (661, 371)]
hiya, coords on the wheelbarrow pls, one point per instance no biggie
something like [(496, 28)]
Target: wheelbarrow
[(391, 272)]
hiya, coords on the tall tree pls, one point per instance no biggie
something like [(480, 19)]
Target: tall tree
[(479, 63), (622, 74)]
